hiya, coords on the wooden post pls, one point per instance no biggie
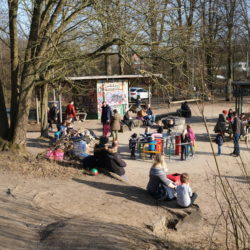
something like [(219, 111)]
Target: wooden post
[(60, 103), (149, 94), (37, 110), (54, 95)]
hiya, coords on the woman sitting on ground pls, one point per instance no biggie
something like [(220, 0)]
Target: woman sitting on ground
[(127, 119), (159, 186), (113, 161)]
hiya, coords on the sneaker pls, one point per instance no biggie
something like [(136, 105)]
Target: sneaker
[(236, 155)]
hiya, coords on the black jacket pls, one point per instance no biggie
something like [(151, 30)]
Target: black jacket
[(106, 114), (115, 164)]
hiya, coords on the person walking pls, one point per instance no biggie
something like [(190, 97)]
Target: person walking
[(236, 127), (52, 118), (106, 118), (71, 111), (115, 125)]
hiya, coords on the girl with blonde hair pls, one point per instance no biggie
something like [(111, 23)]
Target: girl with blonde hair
[(159, 186)]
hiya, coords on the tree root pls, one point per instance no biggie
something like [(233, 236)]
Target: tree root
[(10, 146)]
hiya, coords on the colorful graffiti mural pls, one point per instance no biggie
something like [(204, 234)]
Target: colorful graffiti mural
[(114, 93)]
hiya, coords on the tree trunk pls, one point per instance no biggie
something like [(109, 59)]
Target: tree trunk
[(108, 65), (4, 125), (121, 61), (229, 72), (44, 111), (13, 9), (23, 111)]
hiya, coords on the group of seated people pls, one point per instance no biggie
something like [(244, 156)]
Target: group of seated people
[(79, 139), (106, 158), (161, 187), (146, 115)]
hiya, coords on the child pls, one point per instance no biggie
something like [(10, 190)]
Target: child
[(185, 196), (152, 145), (184, 142), (219, 141), (191, 138), (132, 145), (147, 132), (159, 127)]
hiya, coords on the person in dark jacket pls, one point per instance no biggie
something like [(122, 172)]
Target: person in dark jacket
[(150, 115), (184, 142), (185, 110), (97, 160), (114, 163), (159, 186), (106, 118), (138, 103), (236, 127), (219, 140), (100, 151), (108, 159), (52, 118), (221, 124)]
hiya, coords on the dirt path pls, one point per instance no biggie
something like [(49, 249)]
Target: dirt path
[(118, 211)]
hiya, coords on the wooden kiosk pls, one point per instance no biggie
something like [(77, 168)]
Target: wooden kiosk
[(112, 89)]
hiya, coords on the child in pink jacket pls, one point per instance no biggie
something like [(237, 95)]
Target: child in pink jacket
[(191, 138)]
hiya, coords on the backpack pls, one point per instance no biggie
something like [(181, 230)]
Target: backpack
[(219, 140)]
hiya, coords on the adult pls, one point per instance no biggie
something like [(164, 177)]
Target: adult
[(220, 126), (159, 186), (52, 118), (237, 130), (71, 111), (115, 124), (150, 115), (230, 115), (185, 110), (138, 103), (127, 119), (100, 151), (106, 118), (108, 159), (141, 113), (113, 161)]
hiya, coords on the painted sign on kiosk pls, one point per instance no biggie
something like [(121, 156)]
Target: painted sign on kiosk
[(114, 93)]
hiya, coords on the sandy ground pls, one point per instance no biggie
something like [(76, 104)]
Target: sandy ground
[(120, 212)]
